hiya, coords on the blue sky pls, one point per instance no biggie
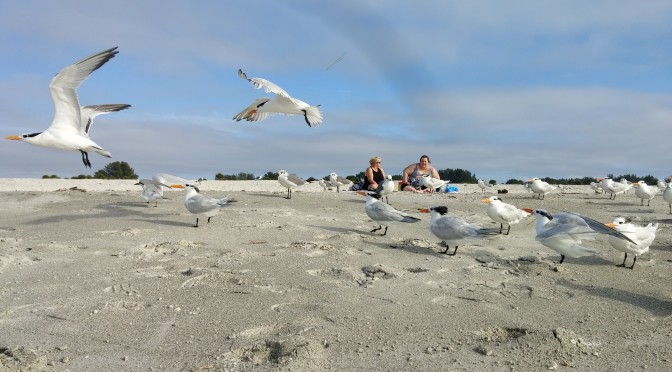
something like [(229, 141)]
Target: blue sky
[(504, 89)]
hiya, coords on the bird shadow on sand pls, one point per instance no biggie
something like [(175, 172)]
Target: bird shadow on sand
[(404, 246), (102, 211), (656, 306), (165, 222)]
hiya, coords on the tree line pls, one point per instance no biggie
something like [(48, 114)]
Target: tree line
[(122, 170)]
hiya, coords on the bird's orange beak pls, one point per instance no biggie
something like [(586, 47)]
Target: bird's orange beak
[(528, 210), (486, 200), (176, 186), (610, 224), (362, 193), (423, 210), (15, 138)]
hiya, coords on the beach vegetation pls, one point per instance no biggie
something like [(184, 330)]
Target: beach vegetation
[(119, 170)]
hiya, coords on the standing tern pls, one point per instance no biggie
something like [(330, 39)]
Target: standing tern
[(385, 188), (642, 235), (612, 188), (152, 190), (645, 192), (289, 181), (202, 205), (339, 181), (383, 214), (503, 213), (452, 230), (564, 232), (432, 183), (483, 185), (71, 124), (667, 195), (281, 103), (540, 188)]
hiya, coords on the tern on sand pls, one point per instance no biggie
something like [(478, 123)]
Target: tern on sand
[(152, 190), (71, 124), (503, 213), (563, 232), (383, 214), (281, 103), (642, 235), (339, 181), (289, 181), (452, 230), (201, 205)]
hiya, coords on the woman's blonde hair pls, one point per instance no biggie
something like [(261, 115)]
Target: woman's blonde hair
[(374, 160)]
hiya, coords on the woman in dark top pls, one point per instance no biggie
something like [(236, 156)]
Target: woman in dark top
[(374, 174)]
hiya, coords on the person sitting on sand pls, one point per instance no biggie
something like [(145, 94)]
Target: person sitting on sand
[(374, 174), (412, 176)]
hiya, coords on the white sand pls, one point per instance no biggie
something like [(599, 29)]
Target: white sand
[(99, 281)]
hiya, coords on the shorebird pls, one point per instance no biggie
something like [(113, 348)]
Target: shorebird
[(383, 214), (290, 181), (645, 192), (540, 187), (483, 185), (201, 205), (339, 181), (432, 183), (152, 190), (503, 213), (564, 232), (452, 230), (281, 103), (385, 188), (667, 195), (612, 188), (71, 124), (642, 236)]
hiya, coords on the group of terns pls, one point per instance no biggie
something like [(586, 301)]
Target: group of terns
[(71, 124), (562, 232), (195, 202)]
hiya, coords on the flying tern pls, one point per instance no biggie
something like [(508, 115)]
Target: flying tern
[(503, 213), (564, 232), (452, 230), (642, 235), (71, 124), (383, 214), (281, 103)]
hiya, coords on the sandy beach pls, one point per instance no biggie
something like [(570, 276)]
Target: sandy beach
[(94, 279)]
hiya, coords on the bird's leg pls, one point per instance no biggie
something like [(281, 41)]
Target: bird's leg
[(507, 230), (209, 219), (562, 259), (501, 227), (642, 203), (305, 117), (670, 208), (85, 159), (633, 263), (385, 232), (623, 264), (450, 254), (379, 227), (196, 225)]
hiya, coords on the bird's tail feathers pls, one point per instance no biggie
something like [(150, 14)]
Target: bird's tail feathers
[(410, 219)]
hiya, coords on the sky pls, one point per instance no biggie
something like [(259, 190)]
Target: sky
[(503, 89)]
